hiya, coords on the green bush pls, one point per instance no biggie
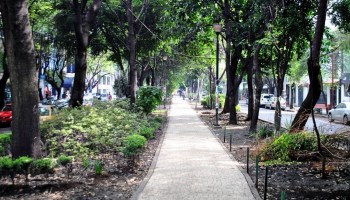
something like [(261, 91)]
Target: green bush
[(98, 165), (206, 100), (133, 144), (5, 143), (147, 132), (148, 98), (284, 147), (264, 131), (64, 160), (22, 164), (42, 166), (91, 130), (6, 166), (238, 108)]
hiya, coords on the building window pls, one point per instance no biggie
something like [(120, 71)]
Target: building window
[(108, 80), (104, 80)]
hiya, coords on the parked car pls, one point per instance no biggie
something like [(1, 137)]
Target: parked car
[(264, 98), (45, 112), (6, 114), (340, 113), (104, 97), (272, 102)]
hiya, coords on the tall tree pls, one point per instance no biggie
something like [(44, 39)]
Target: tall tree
[(314, 71), (23, 75), (84, 19), (132, 51)]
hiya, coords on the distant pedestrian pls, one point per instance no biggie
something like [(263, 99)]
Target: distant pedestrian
[(109, 96)]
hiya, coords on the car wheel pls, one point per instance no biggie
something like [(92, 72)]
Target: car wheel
[(330, 119), (345, 120)]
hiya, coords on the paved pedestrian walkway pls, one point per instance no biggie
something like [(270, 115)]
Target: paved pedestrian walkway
[(192, 164)]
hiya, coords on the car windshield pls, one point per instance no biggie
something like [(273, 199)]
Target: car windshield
[(7, 108), (44, 111)]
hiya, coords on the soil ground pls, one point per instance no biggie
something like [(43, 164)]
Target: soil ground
[(120, 178), (297, 181)]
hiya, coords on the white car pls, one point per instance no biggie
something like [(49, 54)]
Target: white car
[(264, 98), (272, 102), (340, 113)]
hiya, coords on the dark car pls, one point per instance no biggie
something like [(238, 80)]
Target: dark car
[(6, 114)]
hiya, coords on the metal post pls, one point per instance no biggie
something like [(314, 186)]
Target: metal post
[(265, 186), (283, 195), (256, 171), (230, 142), (248, 160), (210, 94), (217, 82), (225, 134)]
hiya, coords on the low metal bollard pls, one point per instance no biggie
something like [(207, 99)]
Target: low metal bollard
[(248, 160), (224, 134), (283, 195), (256, 171), (265, 186), (230, 142)]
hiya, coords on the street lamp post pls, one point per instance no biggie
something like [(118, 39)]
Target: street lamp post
[(217, 29)]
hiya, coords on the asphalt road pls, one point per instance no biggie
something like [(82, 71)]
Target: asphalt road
[(287, 117), (4, 128)]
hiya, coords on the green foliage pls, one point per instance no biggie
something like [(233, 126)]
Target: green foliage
[(238, 108), (64, 160), (42, 166), (148, 98), (22, 164), (206, 100), (5, 142), (91, 130), (98, 165), (121, 85), (147, 132), (6, 164), (133, 144), (285, 146), (264, 131)]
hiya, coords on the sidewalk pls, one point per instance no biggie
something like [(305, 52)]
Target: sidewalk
[(192, 164)]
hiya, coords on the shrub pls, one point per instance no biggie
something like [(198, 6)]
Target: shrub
[(5, 142), (147, 132), (264, 131), (98, 167), (148, 98), (238, 108), (285, 146), (42, 166), (91, 130), (133, 144), (64, 160), (206, 101), (6, 165)]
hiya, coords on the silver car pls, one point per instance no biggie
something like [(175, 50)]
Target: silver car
[(340, 113)]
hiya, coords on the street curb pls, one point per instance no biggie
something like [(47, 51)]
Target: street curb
[(144, 182)]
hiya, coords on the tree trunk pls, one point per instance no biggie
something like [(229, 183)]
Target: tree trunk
[(24, 80), (132, 52), (314, 70), (291, 106), (258, 89), (3, 81), (153, 80), (250, 92), (83, 21)]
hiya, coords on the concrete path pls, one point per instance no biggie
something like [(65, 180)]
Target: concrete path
[(192, 164)]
